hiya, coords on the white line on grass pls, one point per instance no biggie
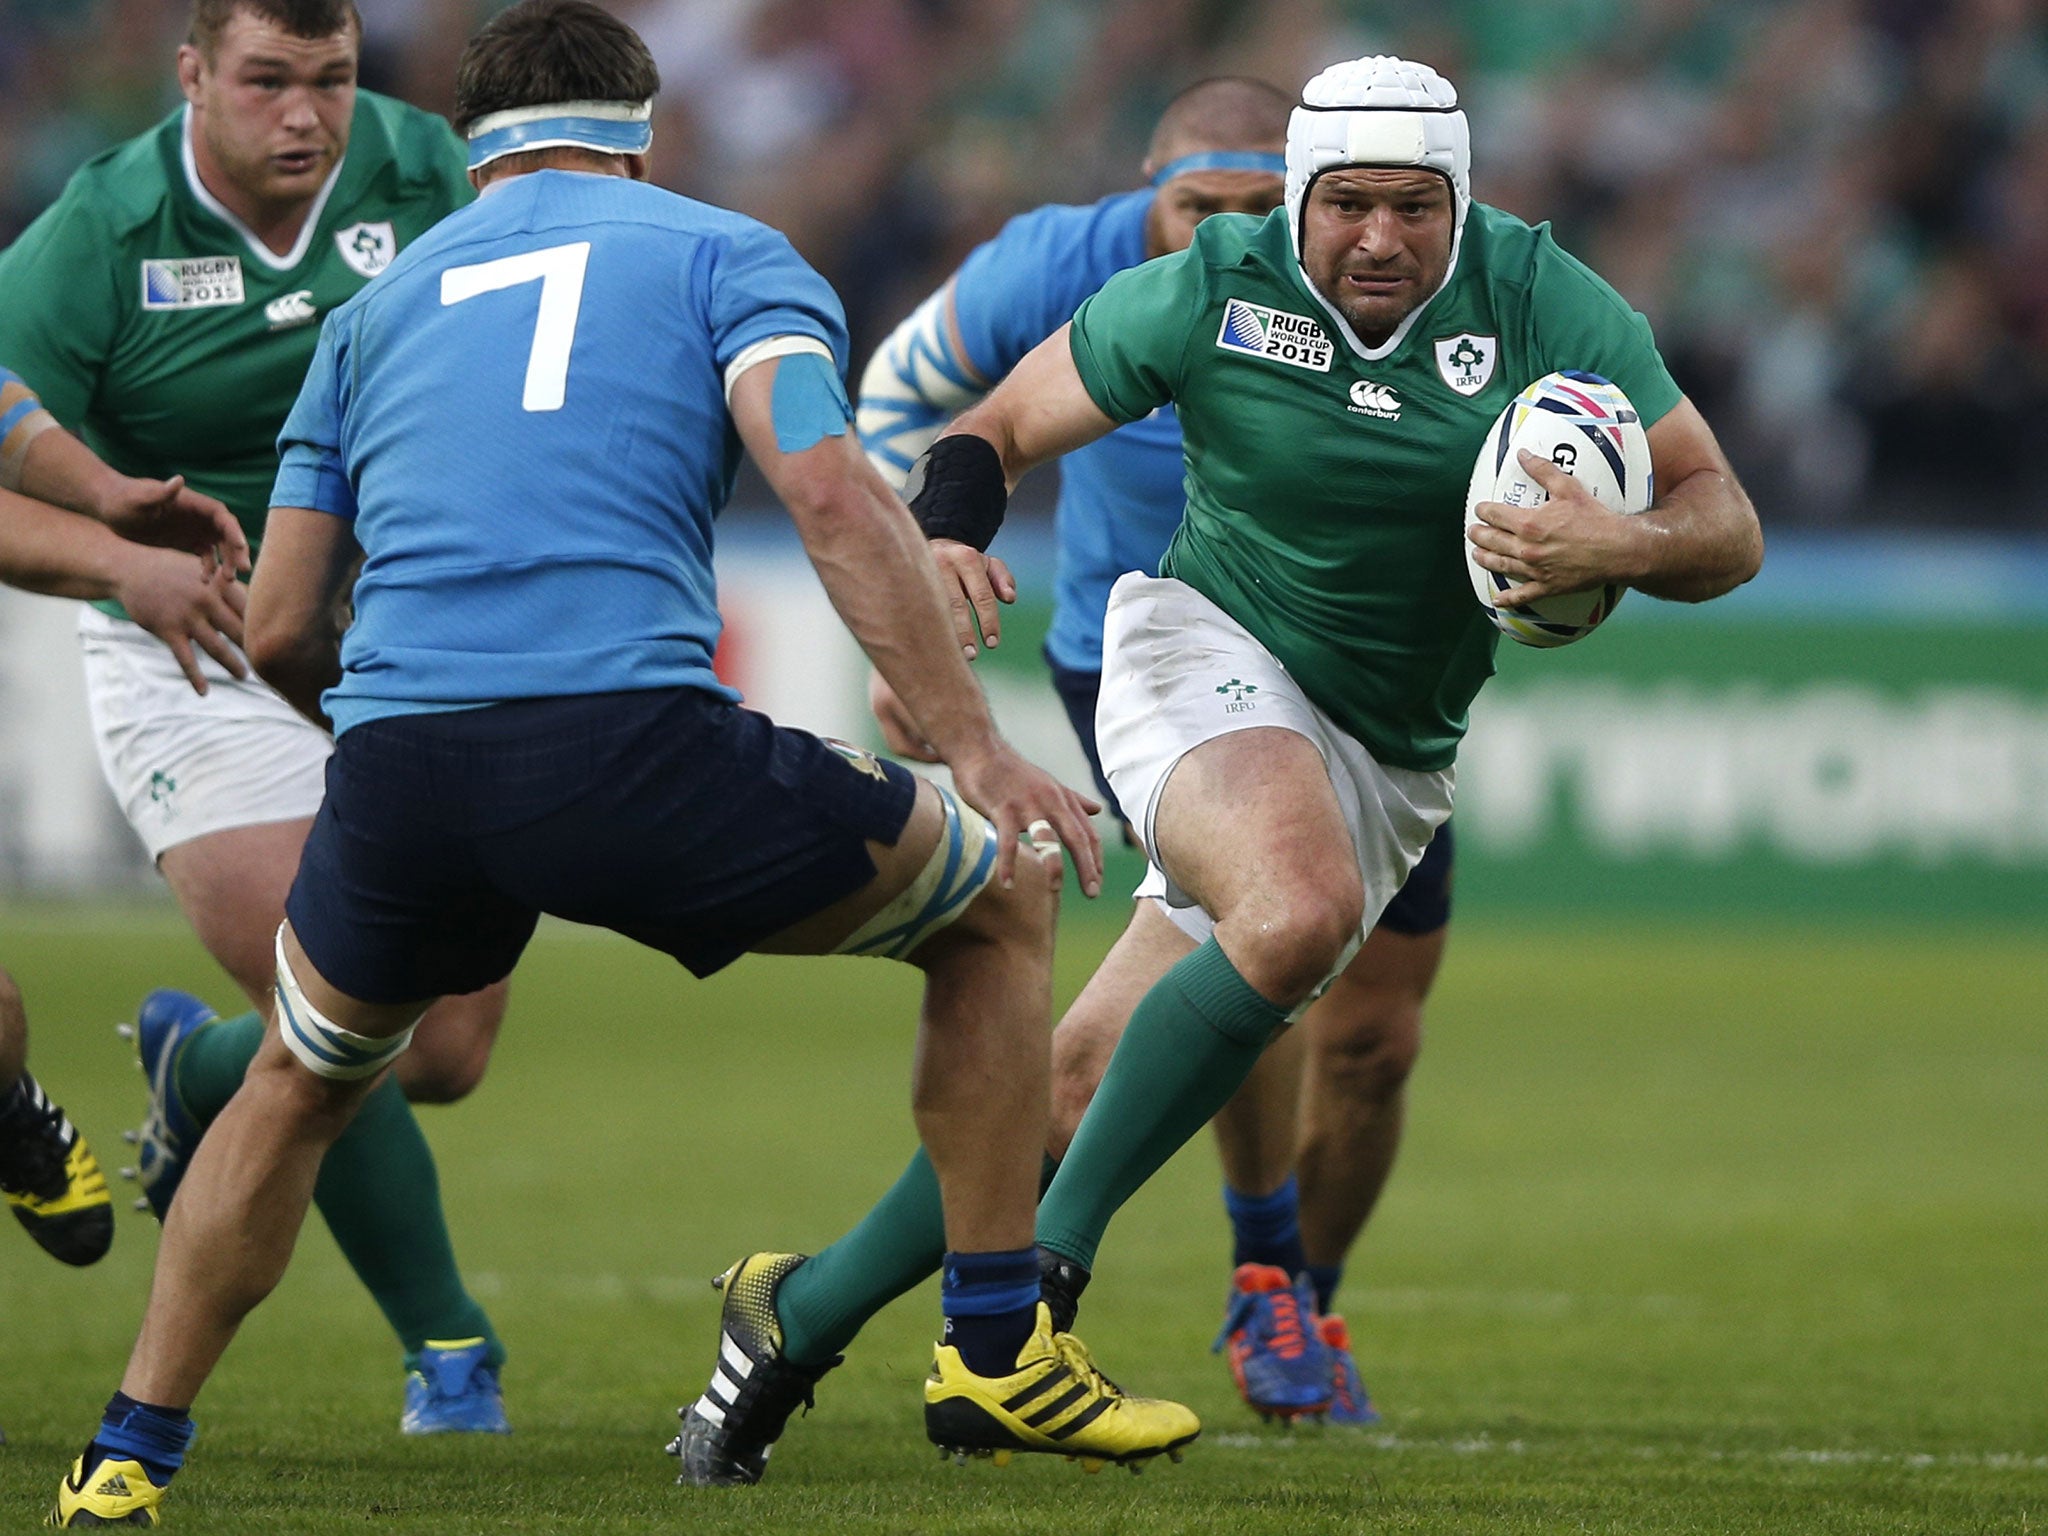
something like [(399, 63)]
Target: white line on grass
[(1486, 1445)]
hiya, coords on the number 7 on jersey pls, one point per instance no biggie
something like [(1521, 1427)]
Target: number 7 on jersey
[(559, 271)]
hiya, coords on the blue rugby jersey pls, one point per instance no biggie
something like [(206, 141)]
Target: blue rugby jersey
[(525, 418), (1120, 497)]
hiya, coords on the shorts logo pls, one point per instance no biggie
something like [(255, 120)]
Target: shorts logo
[(290, 310), (368, 248), (200, 282), (1466, 361), (161, 788), (1257, 331), (1238, 696), (1370, 399), (862, 760)]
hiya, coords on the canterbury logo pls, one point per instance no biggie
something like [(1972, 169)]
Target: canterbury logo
[(1370, 399), (289, 310)]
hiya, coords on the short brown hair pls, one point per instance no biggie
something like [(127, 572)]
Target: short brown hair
[(301, 18), (1226, 112), (543, 51)]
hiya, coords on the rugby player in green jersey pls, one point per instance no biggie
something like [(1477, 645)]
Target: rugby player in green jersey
[(1281, 706), (166, 308), (185, 595)]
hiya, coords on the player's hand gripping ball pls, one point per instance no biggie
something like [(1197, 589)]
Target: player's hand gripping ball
[(1587, 428)]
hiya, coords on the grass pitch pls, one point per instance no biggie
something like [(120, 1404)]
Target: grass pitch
[(1726, 1231)]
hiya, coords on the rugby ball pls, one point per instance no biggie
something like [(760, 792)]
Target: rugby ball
[(1586, 427)]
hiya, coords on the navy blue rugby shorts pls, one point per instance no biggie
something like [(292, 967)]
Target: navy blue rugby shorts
[(1422, 905), (671, 816)]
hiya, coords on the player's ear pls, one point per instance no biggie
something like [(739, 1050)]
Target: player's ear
[(636, 167), (190, 65), (476, 180)]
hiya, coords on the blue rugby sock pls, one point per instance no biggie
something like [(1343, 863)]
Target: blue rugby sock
[(149, 1433), (1267, 1228), (1324, 1278), (991, 1306)]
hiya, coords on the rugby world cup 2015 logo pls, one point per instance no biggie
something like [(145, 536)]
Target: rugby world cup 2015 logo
[(1274, 334), (193, 282)]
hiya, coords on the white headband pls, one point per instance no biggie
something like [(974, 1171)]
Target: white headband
[(608, 127)]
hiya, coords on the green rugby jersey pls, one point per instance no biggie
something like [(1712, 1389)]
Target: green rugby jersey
[(1325, 490), (172, 340)]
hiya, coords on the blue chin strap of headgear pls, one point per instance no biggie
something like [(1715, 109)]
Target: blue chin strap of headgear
[(607, 127)]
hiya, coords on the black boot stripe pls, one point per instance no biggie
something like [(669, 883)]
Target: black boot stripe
[(1038, 1388), (1081, 1420), (1059, 1405)]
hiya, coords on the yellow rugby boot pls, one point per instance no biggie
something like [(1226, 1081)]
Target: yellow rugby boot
[(114, 1491), (51, 1180), (1055, 1402)]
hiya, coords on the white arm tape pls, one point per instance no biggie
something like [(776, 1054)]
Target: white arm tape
[(912, 387), (14, 450), (774, 346), (323, 1047)]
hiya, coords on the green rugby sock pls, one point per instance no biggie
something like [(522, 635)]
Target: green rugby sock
[(211, 1062), (378, 1192), (896, 1245), (1191, 1041)]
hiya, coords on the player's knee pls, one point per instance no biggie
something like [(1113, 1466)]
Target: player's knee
[(1367, 1057), (441, 1073), (451, 1051), (1080, 1056), (1287, 944)]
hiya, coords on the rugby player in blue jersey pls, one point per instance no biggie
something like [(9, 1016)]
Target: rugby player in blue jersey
[(525, 427), (1309, 1141)]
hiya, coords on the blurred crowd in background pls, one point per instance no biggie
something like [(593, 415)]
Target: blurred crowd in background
[(1835, 212)]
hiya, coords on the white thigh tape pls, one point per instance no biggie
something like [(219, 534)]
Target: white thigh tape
[(961, 864), (322, 1046)]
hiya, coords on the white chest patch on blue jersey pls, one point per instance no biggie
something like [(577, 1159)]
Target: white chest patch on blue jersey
[(1257, 331)]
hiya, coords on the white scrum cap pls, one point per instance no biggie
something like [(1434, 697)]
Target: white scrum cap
[(1377, 111)]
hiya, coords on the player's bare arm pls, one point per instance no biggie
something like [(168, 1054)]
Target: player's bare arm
[(309, 560), (1700, 539), (1039, 412), (172, 595), (874, 566), (55, 467)]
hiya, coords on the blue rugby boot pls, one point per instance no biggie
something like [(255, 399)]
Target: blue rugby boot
[(170, 1135), (454, 1391), (1279, 1361), (1350, 1403)]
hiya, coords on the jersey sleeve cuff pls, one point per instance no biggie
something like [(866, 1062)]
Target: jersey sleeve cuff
[(771, 347), (315, 479), (1092, 380)]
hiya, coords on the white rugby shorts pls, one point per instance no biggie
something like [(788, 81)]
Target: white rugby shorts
[(1178, 671), (182, 766)]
